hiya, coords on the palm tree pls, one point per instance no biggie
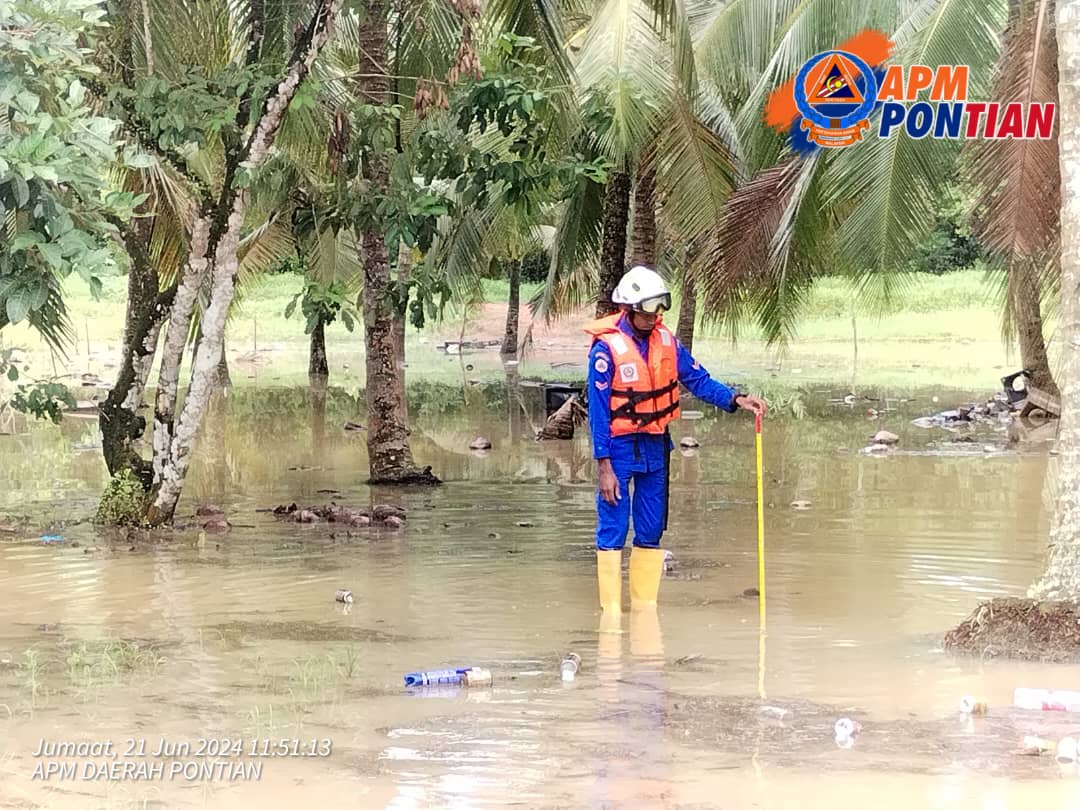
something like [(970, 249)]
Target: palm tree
[(1061, 580), (672, 144), (1022, 182)]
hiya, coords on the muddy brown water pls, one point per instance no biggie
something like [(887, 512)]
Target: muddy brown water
[(237, 637)]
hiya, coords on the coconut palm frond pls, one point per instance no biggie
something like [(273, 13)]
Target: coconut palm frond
[(718, 117), (1021, 178), (263, 248), (624, 64), (461, 251), (893, 183), (811, 27), (758, 263), (539, 19), (672, 21), (735, 40), (573, 270), (695, 172), (334, 257)]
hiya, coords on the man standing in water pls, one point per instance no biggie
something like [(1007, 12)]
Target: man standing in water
[(635, 367)]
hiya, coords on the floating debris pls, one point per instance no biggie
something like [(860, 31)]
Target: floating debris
[(885, 437), (1036, 746), (971, 705), (382, 515), (669, 561), (775, 712), (1066, 751), (570, 666), (343, 595), (846, 731)]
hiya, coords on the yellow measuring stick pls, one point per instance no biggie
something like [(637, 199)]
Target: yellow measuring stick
[(760, 521), (761, 559)]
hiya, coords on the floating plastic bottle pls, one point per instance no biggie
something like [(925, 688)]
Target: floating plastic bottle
[(1066, 750), (467, 676), (1047, 700), (432, 677), (570, 666), (343, 595)]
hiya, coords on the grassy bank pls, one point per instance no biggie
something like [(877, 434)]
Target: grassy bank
[(945, 331)]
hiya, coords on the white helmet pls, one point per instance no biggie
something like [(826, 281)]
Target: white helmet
[(642, 289)]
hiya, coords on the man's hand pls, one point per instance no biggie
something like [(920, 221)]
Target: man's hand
[(752, 404), (609, 484)]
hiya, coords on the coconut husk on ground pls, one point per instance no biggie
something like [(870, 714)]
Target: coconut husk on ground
[(561, 424), (1020, 628)]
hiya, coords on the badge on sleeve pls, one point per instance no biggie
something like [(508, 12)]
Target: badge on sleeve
[(601, 365)]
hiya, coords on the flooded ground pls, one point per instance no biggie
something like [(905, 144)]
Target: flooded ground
[(238, 637)]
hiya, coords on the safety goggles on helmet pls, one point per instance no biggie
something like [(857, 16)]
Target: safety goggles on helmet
[(654, 304)]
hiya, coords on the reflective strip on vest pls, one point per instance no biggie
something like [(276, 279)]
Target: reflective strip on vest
[(618, 344)]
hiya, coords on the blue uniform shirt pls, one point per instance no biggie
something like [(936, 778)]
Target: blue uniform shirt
[(645, 451)]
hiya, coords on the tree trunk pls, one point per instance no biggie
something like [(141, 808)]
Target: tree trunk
[(317, 366), (1027, 310), (613, 248), (643, 235), (119, 419), (317, 387), (404, 271), (389, 455), (176, 335), (513, 401), (1062, 577), (510, 339), (215, 241), (684, 332)]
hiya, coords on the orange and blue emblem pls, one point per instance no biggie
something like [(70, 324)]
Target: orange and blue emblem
[(830, 102), (835, 92)]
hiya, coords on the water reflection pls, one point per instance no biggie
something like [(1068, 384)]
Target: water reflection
[(496, 569)]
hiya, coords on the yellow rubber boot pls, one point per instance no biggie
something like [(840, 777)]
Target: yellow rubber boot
[(609, 580), (646, 567)]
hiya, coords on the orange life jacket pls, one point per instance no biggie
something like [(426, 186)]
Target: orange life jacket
[(644, 396)]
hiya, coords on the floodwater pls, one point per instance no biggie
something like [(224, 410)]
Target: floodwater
[(238, 637)]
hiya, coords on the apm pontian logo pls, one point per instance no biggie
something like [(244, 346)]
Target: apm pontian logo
[(831, 100)]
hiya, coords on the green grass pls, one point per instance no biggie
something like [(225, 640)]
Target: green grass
[(83, 668), (945, 330)]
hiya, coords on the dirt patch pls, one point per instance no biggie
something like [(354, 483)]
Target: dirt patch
[(303, 631), (804, 737), (1048, 632)]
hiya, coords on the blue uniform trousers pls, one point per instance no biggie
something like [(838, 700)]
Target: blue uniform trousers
[(646, 501)]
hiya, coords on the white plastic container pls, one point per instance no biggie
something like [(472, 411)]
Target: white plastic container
[(1047, 700), (570, 666)]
